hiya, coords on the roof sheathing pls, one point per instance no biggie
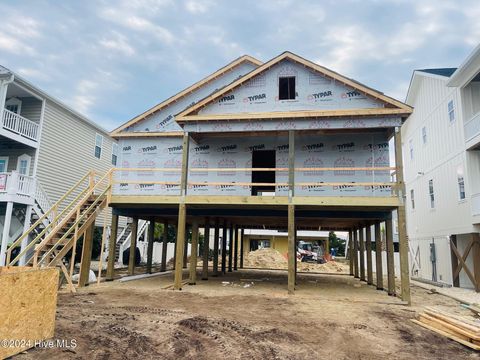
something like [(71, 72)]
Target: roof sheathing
[(187, 91), (191, 114)]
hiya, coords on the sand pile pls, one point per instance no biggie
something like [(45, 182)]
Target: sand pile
[(329, 267), (265, 258)]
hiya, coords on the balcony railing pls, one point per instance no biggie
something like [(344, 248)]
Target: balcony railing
[(472, 127), (17, 187), (19, 125)]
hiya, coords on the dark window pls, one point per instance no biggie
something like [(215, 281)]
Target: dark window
[(286, 88)]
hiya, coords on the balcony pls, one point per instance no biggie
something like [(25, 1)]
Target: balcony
[(17, 188), (18, 128), (472, 131)]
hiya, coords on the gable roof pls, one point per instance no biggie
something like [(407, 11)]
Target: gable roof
[(447, 72), (241, 60), (393, 106)]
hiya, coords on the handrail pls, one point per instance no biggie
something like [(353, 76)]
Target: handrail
[(53, 209), (90, 192), (77, 222)]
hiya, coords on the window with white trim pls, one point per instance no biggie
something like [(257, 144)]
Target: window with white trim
[(424, 135), (431, 194), (98, 145), (14, 105), (461, 183), (23, 164), (412, 198), (410, 144), (451, 111), (114, 154)]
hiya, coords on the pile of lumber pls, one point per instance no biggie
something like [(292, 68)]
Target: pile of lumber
[(461, 329)]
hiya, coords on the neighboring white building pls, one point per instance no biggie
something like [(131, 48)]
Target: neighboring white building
[(441, 149), (45, 148)]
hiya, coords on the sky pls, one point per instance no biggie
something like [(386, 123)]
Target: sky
[(112, 60)]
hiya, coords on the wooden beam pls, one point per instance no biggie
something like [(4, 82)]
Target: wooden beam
[(151, 235), (156, 134), (224, 247), (390, 258), (378, 256), (133, 246), (111, 248), (184, 175), (86, 256), (163, 266), (206, 249), (185, 249), (462, 264), (401, 220), (350, 251), (356, 273), (235, 248), (193, 254), (368, 242), (453, 257), (180, 242), (241, 247), (362, 254), (476, 260), (230, 248), (292, 251), (216, 240)]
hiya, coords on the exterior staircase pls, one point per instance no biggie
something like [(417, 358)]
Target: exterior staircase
[(56, 232)]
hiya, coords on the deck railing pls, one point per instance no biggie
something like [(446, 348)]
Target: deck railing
[(14, 183), (19, 125)]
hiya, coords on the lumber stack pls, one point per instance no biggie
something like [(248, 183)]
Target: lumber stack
[(461, 329)]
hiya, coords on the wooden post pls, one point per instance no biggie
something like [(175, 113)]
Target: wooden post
[(390, 258), (355, 253), (86, 256), (368, 242), (456, 279), (193, 254), (185, 249), (224, 247), (476, 260), (133, 246), (235, 248), (180, 243), (163, 267), (292, 252), (216, 239), (151, 235), (230, 248), (111, 248), (206, 249), (378, 256), (402, 226), (362, 254), (350, 251), (241, 247)]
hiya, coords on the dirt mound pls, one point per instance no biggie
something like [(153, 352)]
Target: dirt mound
[(265, 258), (329, 267)]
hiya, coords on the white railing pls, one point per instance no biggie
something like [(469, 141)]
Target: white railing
[(42, 199), (476, 204), (142, 226), (20, 125), (472, 127), (17, 184)]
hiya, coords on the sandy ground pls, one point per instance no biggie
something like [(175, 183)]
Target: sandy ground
[(247, 315)]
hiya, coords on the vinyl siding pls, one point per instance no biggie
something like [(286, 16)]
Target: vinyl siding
[(14, 152), (31, 109)]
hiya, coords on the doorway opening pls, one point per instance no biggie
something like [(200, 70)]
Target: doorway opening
[(263, 159)]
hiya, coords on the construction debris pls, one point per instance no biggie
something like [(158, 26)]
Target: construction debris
[(463, 329)]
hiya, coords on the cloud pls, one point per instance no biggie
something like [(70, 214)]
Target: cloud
[(118, 43), (198, 6)]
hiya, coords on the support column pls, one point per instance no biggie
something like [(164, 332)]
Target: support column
[(350, 251), (206, 249), (355, 253), (112, 244), (378, 256), (26, 226), (476, 260), (151, 235), (185, 249), (390, 258), (230, 248), (235, 248), (163, 267), (291, 249), (241, 247), (133, 246), (216, 240), (368, 243), (362, 254), (193, 254), (456, 279), (179, 246), (86, 256), (6, 232), (224, 247)]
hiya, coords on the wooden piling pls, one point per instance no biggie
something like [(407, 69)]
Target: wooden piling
[(390, 258), (151, 235), (241, 247), (378, 256), (292, 252), (350, 251), (193, 254), (216, 240), (206, 249), (163, 266), (230, 248), (355, 253), (224, 247), (180, 243), (362, 254), (235, 248), (133, 246), (368, 244), (86, 256), (112, 243)]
